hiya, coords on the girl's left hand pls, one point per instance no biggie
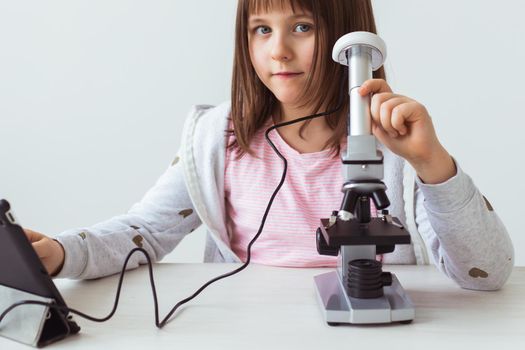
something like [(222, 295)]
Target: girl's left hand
[(405, 127)]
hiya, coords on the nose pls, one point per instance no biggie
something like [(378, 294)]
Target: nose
[(281, 50)]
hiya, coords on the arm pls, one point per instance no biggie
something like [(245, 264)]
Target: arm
[(464, 234), (157, 223), (466, 237)]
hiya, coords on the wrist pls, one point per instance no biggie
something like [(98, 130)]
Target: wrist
[(61, 258), (437, 168)]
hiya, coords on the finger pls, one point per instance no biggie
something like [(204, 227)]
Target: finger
[(42, 248), (398, 118), (374, 86), (412, 111), (386, 115), (376, 102), (32, 235), (379, 132)]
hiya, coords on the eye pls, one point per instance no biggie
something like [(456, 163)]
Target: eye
[(262, 30), (303, 28)]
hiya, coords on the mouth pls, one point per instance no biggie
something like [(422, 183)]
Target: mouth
[(285, 75)]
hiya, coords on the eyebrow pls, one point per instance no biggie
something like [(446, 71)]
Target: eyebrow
[(255, 20)]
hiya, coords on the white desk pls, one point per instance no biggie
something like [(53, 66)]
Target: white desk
[(276, 308)]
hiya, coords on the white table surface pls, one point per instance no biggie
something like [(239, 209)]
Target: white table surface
[(276, 308)]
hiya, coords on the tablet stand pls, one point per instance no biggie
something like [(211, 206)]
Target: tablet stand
[(34, 325)]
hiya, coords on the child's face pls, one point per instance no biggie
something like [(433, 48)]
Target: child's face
[(281, 50)]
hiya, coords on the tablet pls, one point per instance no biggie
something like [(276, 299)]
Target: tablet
[(21, 269)]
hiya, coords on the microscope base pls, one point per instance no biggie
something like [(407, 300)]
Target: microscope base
[(338, 307)]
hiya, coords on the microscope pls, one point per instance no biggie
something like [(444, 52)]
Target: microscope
[(359, 292)]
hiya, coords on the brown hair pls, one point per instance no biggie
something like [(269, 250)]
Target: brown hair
[(252, 103)]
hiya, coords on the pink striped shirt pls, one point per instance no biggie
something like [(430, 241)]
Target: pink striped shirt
[(312, 190)]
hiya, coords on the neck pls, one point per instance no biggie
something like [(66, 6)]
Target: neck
[(287, 112), (284, 113)]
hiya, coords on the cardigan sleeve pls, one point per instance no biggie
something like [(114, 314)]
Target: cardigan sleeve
[(157, 223), (463, 233)]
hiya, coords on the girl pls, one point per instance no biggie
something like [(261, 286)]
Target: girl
[(282, 71)]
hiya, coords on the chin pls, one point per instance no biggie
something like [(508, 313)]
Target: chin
[(286, 98)]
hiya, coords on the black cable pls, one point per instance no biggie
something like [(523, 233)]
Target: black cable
[(150, 268)]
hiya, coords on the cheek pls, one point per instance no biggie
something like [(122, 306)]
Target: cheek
[(307, 53), (257, 59)]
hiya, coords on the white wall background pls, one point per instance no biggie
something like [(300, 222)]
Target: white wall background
[(93, 95)]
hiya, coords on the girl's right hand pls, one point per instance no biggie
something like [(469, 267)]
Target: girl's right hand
[(50, 251)]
